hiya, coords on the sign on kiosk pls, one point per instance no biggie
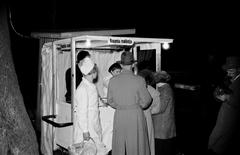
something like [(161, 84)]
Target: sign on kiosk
[(120, 41)]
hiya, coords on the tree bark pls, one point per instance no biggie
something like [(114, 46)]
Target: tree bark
[(17, 135)]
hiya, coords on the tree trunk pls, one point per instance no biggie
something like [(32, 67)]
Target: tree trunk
[(17, 135)]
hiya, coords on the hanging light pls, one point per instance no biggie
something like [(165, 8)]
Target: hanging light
[(88, 43), (165, 46)]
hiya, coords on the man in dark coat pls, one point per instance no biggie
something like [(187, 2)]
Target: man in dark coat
[(128, 94), (225, 137)]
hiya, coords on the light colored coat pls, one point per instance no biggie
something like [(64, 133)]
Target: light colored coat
[(86, 113), (152, 109), (127, 93), (106, 117)]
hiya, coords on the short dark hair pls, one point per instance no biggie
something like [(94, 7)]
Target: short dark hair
[(81, 55), (114, 66), (148, 76)]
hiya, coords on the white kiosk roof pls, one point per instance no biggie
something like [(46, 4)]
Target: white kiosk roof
[(106, 42)]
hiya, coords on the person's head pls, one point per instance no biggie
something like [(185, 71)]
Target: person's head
[(232, 66), (127, 60), (115, 69), (81, 55), (148, 76), (88, 69), (162, 76)]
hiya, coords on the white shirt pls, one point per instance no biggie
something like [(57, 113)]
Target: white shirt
[(105, 84)]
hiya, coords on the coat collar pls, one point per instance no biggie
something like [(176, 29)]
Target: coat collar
[(125, 71), (87, 82)]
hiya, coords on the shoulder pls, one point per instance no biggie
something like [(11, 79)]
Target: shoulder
[(139, 78), (82, 87), (68, 71)]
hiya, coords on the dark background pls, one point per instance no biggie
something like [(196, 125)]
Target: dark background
[(204, 34)]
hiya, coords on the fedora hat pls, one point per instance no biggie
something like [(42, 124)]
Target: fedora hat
[(231, 62), (126, 58)]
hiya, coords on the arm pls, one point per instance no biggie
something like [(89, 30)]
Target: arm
[(110, 96), (144, 96), (68, 84), (82, 109), (165, 97)]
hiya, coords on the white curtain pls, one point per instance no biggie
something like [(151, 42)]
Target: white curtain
[(103, 59), (46, 99)]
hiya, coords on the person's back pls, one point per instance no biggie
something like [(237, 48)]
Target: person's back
[(127, 93), (164, 121), (126, 85)]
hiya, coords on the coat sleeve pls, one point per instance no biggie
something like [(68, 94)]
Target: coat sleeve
[(68, 84), (166, 97), (82, 109), (143, 94), (110, 95)]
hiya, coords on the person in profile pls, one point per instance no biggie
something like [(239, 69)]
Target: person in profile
[(81, 55), (164, 121)]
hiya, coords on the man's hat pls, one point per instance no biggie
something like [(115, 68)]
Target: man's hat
[(86, 66), (231, 62), (127, 58)]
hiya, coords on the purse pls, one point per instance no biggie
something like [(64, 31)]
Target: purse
[(83, 148)]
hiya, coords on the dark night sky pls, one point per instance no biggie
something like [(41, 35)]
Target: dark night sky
[(198, 29)]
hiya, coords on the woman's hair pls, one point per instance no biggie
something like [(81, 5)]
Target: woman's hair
[(114, 66), (81, 55), (148, 76)]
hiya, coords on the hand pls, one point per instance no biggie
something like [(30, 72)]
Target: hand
[(104, 102), (223, 97), (86, 136)]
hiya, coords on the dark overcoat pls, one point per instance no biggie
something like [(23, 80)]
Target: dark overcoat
[(225, 137), (127, 93)]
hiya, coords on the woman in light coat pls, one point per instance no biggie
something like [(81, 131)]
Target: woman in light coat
[(154, 108)]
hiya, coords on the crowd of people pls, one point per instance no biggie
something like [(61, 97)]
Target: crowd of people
[(136, 116)]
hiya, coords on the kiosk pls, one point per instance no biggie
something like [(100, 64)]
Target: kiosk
[(57, 56)]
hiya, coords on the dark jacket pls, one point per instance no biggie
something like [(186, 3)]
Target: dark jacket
[(68, 82)]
